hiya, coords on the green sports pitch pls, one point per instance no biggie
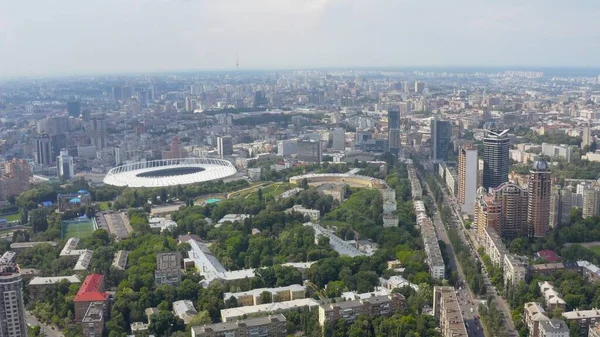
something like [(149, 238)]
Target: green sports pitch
[(77, 229)]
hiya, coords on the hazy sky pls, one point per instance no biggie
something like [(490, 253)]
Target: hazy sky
[(64, 37)]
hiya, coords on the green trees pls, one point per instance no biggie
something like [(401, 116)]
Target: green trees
[(38, 220), (165, 323)]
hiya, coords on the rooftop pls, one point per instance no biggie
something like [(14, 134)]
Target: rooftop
[(90, 289), (53, 280), (23, 245), (226, 326), (233, 313)]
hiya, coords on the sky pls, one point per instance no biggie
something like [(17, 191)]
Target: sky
[(70, 37)]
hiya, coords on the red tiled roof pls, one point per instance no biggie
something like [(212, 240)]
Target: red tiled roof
[(548, 255), (89, 289), (91, 284), (91, 297)]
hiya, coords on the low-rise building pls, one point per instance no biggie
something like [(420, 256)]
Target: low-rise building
[(594, 330), (168, 268), (494, 247), (185, 310), (589, 270), (447, 312), (279, 294), (18, 246), (120, 260), (585, 318), (232, 218), (533, 315), (552, 297), (161, 224), (371, 306), (92, 324), (92, 290), (437, 267), (39, 284), (313, 214), (232, 314), (554, 328), (272, 326)]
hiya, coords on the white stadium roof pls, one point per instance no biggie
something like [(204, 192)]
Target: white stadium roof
[(162, 173)]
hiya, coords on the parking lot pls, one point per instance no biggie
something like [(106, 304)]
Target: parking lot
[(116, 223)]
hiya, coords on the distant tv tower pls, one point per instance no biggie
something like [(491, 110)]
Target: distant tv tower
[(237, 62)]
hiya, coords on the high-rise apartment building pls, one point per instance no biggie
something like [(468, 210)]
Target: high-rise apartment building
[(74, 108), (43, 150), (539, 192), (12, 308), (586, 135), (65, 165), (495, 158), (98, 133), (126, 93), (176, 150), (394, 130), (309, 151), (339, 139), (15, 179), (224, 146), (419, 87), (591, 201), (288, 147), (467, 178), (514, 202), (504, 209), (441, 131)]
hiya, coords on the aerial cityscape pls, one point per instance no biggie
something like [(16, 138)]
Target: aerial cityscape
[(322, 168)]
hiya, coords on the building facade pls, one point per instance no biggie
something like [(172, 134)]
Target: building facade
[(467, 178), (16, 178), (65, 165), (513, 201), (12, 308), (394, 130), (441, 131), (43, 150), (371, 306), (168, 268), (224, 146), (272, 326), (539, 193), (447, 312), (495, 158), (309, 151)]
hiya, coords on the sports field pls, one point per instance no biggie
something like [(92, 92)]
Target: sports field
[(77, 229), (11, 217)]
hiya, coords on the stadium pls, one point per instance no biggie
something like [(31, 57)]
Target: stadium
[(169, 172)]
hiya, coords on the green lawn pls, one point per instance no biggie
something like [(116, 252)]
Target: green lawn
[(595, 249), (103, 205), (11, 217), (77, 229)]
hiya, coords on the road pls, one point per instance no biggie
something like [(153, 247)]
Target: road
[(470, 240), (468, 302), (45, 329)]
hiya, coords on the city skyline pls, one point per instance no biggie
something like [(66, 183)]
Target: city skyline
[(100, 37)]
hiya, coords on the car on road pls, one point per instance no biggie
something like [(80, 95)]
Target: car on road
[(472, 310)]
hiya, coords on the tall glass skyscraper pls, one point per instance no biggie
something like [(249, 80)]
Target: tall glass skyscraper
[(495, 158), (441, 131)]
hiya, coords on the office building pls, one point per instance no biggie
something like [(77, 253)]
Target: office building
[(419, 87), (467, 178), (65, 165), (286, 148), (168, 268), (126, 93), (43, 148), (74, 108), (495, 158), (116, 93), (12, 308), (394, 130), (309, 151), (558, 151), (224, 146), (272, 326), (58, 142), (441, 131), (97, 132), (539, 192), (15, 179), (370, 306), (447, 312), (339, 139)]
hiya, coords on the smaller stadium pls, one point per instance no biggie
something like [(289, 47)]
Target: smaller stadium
[(169, 172)]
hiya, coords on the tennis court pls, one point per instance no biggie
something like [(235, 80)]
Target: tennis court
[(77, 228)]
